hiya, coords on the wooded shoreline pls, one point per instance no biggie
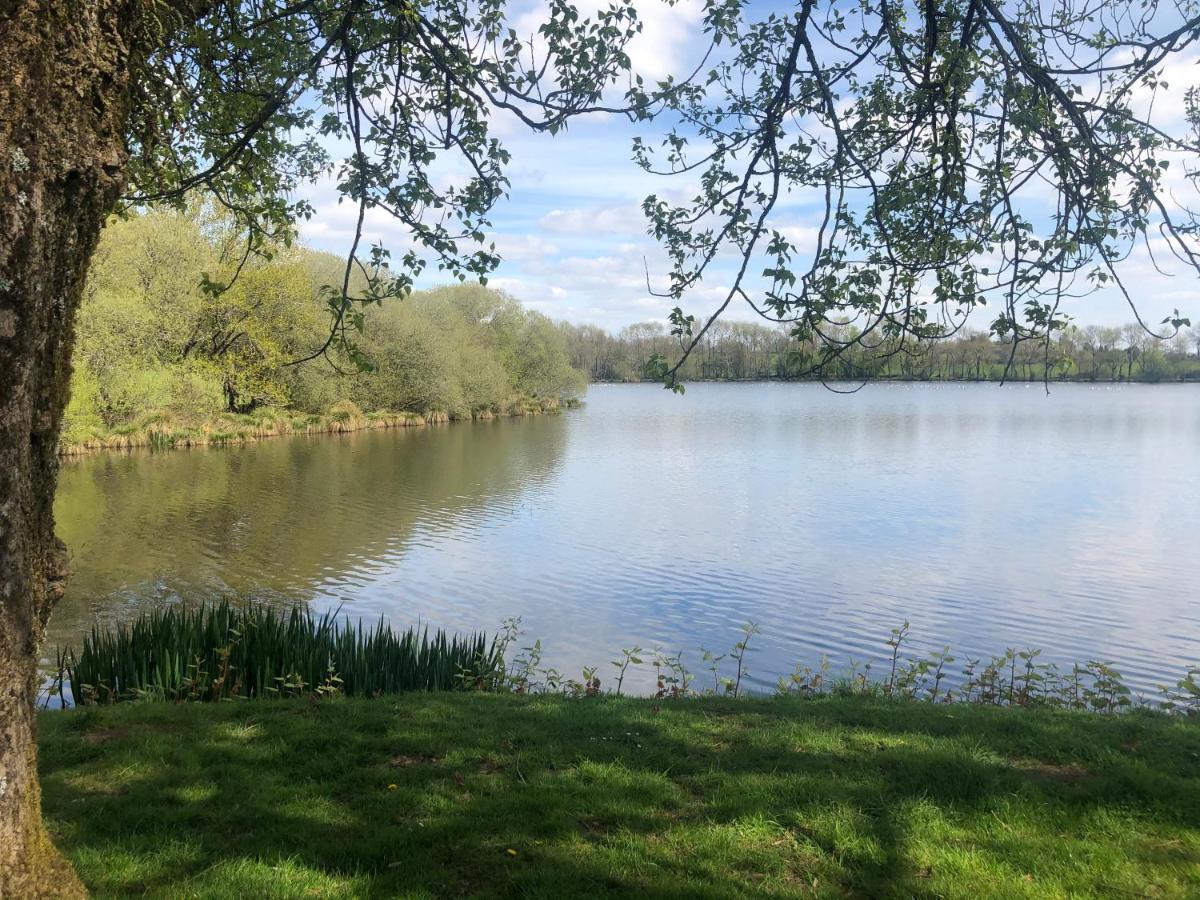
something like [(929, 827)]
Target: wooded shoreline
[(245, 428), (237, 429), (1191, 378), (746, 350)]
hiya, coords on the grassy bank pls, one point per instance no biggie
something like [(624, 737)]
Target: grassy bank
[(485, 794), (164, 433)]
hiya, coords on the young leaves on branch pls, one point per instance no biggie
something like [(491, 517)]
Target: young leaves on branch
[(394, 102), (893, 166)]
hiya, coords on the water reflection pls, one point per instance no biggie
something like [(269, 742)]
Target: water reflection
[(307, 517), (988, 517)]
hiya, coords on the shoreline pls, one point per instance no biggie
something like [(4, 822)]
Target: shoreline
[(845, 379), (236, 429)]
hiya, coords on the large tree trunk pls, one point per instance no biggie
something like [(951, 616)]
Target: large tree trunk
[(64, 96)]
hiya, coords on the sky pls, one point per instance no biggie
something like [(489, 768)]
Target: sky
[(573, 237)]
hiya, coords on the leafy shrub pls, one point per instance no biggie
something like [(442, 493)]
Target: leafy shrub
[(344, 411), (82, 420)]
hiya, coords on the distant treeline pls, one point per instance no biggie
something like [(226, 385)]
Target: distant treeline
[(173, 348), (739, 350), (159, 347)]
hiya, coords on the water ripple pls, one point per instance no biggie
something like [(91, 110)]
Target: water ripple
[(988, 518)]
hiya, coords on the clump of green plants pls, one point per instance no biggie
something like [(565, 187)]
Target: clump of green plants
[(160, 440), (629, 657), (671, 676), (229, 651), (1015, 678), (1184, 695), (226, 651), (344, 411)]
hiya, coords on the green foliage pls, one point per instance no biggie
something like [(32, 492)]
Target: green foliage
[(629, 657), (912, 134), (1014, 678), (414, 364), (82, 420), (735, 351), (532, 352), (1184, 694), (247, 102), (227, 651), (161, 336), (461, 350), (917, 132), (179, 326), (344, 411)]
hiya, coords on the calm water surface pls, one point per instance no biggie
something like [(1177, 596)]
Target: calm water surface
[(986, 516)]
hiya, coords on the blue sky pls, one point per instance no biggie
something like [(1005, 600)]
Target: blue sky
[(573, 236)]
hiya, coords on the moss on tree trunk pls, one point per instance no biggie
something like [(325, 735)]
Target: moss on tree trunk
[(64, 103)]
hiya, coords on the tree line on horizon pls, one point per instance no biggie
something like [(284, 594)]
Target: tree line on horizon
[(739, 351), (176, 327)]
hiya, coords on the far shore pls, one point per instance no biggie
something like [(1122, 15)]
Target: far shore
[(895, 379), (243, 428)]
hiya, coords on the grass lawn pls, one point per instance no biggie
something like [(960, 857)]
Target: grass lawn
[(427, 795)]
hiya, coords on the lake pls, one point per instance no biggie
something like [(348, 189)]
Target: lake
[(987, 516)]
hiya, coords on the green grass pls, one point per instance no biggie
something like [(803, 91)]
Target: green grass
[(426, 795)]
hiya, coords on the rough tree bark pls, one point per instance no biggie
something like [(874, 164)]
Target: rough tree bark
[(65, 75)]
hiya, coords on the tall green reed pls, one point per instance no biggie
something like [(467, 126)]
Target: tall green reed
[(224, 651)]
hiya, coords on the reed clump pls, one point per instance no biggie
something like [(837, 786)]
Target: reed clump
[(227, 651)]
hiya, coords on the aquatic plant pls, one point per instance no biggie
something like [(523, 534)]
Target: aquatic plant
[(1015, 678), (629, 656), (1184, 695), (344, 411), (229, 650)]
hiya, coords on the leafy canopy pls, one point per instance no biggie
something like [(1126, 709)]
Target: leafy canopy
[(157, 348), (957, 153), (895, 165), (248, 99)]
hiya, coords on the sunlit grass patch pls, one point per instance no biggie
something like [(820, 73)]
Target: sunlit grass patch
[(123, 870), (240, 878), (503, 795)]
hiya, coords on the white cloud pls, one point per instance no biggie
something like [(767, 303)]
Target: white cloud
[(524, 247), (1166, 106), (573, 236), (624, 219), (666, 45)]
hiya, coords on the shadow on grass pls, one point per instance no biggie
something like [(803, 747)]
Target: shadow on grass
[(436, 795)]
